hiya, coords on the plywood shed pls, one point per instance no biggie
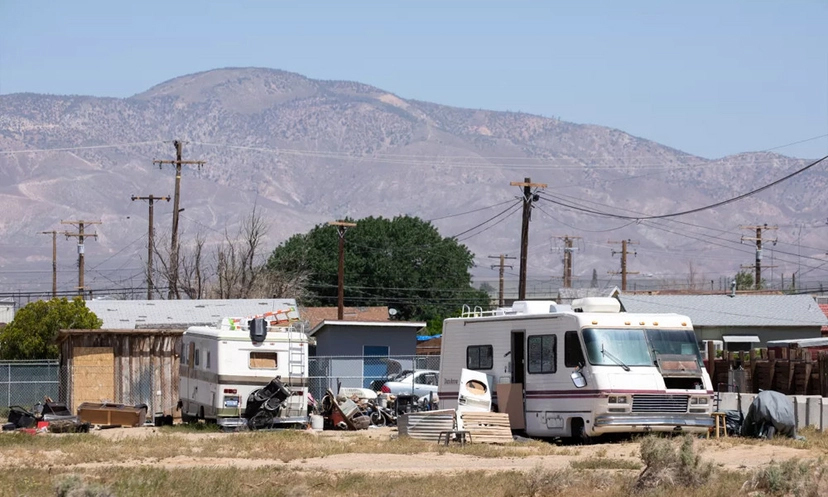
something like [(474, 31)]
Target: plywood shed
[(121, 366)]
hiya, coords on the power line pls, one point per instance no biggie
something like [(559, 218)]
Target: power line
[(698, 209), (504, 211), (72, 149)]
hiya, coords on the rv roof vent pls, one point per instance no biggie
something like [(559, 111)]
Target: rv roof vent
[(258, 330), (532, 306), (596, 304)]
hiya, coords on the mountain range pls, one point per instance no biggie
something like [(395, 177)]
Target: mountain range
[(306, 151)]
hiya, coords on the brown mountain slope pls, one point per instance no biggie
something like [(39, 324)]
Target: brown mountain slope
[(309, 151)]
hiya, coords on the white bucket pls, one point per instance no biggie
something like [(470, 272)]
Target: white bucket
[(317, 422)]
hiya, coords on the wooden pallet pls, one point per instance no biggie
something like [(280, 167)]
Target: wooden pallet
[(487, 427)]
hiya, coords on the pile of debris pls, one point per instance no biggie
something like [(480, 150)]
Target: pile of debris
[(361, 408), (49, 416), (267, 407)]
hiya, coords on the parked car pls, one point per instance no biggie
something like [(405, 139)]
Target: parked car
[(421, 383)]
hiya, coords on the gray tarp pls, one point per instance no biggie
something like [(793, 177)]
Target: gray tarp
[(771, 413)]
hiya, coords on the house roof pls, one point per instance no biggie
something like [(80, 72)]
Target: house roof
[(741, 310), (132, 314), (315, 315), (414, 325), (64, 334)]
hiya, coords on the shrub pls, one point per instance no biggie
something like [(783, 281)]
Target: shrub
[(791, 477), (74, 486), (663, 465)]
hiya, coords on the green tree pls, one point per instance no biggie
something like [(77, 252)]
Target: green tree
[(32, 334), (403, 263), (744, 280)]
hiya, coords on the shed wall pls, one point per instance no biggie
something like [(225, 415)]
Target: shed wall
[(145, 368), (349, 341)]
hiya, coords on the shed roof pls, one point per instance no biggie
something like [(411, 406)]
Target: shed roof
[(741, 310), (414, 325), (131, 314)]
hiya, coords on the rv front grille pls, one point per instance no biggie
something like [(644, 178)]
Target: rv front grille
[(660, 403)]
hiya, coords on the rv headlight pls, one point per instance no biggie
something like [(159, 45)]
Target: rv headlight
[(620, 399), (694, 401), (613, 399)]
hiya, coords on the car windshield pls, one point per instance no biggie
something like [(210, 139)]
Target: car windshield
[(617, 347), (679, 342)]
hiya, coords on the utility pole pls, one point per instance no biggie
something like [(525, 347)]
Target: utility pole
[(528, 198), (150, 233), (54, 260), (567, 260), (341, 226), (80, 235), (179, 145), (757, 266), (624, 253), (502, 266)]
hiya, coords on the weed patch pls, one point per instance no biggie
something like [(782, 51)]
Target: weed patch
[(605, 463), (666, 466)]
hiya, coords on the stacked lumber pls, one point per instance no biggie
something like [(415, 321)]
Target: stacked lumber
[(487, 427)]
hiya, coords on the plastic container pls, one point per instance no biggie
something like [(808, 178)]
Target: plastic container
[(317, 422)]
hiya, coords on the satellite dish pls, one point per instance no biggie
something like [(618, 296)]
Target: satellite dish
[(392, 312)]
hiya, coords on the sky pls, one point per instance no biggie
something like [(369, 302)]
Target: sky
[(711, 78)]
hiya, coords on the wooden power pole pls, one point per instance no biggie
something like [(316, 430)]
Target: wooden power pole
[(567, 259), (757, 266), (342, 226), (624, 252), (178, 162), (502, 266), (528, 198), (54, 260), (80, 235), (151, 199)]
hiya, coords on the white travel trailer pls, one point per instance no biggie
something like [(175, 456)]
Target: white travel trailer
[(582, 370), (222, 365)]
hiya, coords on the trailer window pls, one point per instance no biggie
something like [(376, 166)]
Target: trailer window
[(542, 352), (479, 357), (208, 359), (196, 356), (263, 360), (573, 353)]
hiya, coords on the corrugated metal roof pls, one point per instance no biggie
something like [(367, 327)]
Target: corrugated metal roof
[(741, 310), (129, 314)]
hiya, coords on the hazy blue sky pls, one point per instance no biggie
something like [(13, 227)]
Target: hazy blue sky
[(708, 77)]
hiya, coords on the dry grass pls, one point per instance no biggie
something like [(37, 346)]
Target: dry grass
[(281, 445), (605, 463), (140, 482)]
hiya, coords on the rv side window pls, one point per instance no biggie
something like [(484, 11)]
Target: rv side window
[(208, 359), (196, 356), (263, 360), (479, 357), (542, 350), (573, 353)]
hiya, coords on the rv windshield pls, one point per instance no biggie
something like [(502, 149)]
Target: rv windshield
[(678, 342), (609, 347)]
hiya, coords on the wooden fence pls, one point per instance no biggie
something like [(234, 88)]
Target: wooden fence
[(793, 371)]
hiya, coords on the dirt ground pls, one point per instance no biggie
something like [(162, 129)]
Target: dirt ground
[(723, 453)]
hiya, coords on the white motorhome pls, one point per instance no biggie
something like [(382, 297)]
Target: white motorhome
[(222, 365), (582, 370)]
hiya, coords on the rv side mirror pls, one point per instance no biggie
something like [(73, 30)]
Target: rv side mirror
[(578, 379), (258, 330)]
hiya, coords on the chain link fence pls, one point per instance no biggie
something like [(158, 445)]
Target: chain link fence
[(330, 372), (25, 383)]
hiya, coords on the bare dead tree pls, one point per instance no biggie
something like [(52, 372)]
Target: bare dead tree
[(193, 274), (237, 266)]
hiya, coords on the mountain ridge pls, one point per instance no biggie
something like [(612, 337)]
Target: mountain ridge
[(310, 150)]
